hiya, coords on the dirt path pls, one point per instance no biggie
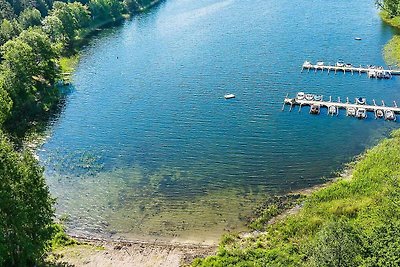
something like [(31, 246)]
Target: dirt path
[(129, 253)]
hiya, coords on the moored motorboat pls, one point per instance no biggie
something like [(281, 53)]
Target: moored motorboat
[(389, 115), (229, 96), (340, 64), (361, 113), (361, 100), (372, 73), (379, 113), (348, 65), (307, 64), (300, 95), (320, 63), (350, 111), (315, 109), (309, 97), (387, 75), (332, 110), (318, 97)]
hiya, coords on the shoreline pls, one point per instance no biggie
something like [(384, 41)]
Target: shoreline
[(93, 251)]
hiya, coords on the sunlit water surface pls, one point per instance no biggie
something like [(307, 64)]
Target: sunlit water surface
[(147, 147)]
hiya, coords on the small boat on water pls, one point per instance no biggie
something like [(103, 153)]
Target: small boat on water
[(379, 113), (348, 65), (309, 97), (372, 73), (361, 100), (361, 113), (350, 111), (307, 64), (357, 38), (340, 64), (389, 115), (387, 75), (229, 96), (320, 63), (315, 109), (300, 95), (318, 97), (332, 110)]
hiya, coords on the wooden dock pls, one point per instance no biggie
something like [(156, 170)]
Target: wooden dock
[(374, 107), (372, 72)]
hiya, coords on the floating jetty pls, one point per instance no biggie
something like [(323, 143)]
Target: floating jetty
[(358, 108), (372, 71)]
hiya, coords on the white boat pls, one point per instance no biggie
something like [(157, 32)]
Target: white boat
[(357, 38), (309, 97), (318, 97), (340, 64), (315, 109), (350, 111), (361, 100), (332, 110), (229, 96), (379, 113), (300, 95), (389, 115), (372, 73), (361, 113), (320, 63), (307, 64)]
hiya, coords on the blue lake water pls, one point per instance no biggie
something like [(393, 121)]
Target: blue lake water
[(147, 147)]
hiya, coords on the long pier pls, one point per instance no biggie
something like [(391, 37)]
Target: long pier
[(374, 107), (372, 71)]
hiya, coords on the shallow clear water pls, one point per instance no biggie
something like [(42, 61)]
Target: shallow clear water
[(147, 147)]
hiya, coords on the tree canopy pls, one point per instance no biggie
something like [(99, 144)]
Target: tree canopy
[(26, 211)]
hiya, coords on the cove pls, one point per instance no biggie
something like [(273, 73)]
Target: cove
[(147, 147)]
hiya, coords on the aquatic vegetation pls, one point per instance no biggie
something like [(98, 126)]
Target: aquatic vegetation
[(362, 213)]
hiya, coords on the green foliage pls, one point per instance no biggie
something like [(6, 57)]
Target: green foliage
[(26, 211), (6, 10), (29, 72), (105, 9), (60, 238), (29, 17), (8, 30), (337, 244)]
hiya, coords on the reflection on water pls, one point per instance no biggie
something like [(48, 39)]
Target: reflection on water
[(148, 147)]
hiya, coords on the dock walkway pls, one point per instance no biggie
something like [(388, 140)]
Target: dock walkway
[(373, 72), (341, 105)]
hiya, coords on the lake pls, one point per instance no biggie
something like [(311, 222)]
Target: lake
[(146, 146)]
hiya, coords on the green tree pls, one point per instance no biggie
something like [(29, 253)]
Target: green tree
[(29, 17), (8, 30), (6, 10), (26, 208), (73, 16), (103, 10), (390, 6), (29, 72), (337, 244)]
